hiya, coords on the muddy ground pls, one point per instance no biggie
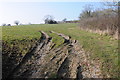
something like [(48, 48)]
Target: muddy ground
[(43, 60)]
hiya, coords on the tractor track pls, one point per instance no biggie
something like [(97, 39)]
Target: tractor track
[(44, 61)]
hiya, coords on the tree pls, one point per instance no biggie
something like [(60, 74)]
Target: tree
[(8, 24), (29, 23), (87, 12), (49, 19), (113, 5), (64, 19), (16, 22), (3, 24)]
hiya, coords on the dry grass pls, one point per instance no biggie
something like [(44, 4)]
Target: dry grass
[(102, 25)]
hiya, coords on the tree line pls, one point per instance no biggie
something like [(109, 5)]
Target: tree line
[(48, 19), (15, 22)]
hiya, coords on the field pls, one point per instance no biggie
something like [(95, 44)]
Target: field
[(100, 47)]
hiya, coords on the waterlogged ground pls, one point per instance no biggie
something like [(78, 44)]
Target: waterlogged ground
[(100, 48)]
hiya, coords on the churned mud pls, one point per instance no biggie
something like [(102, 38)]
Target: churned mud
[(66, 61)]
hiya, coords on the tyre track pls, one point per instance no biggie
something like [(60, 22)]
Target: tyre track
[(68, 61)]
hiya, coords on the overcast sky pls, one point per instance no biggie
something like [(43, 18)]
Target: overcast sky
[(34, 12)]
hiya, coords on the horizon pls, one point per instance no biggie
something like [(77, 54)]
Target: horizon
[(34, 12)]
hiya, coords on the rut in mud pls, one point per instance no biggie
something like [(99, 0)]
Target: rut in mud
[(67, 61)]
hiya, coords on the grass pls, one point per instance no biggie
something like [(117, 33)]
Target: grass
[(99, 46), (57, 40)]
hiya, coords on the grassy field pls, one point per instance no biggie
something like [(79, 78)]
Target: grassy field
[(100, 47)]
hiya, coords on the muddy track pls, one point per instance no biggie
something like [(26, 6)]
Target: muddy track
[(44, 61)]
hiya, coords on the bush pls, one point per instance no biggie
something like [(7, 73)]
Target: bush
[(103, 22)]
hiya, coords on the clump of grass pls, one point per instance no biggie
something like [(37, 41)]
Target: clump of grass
[(57, 40)]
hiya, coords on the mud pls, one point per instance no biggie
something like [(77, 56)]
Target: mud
[(44, 61)]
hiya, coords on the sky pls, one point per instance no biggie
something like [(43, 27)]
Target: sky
[(34, 12)]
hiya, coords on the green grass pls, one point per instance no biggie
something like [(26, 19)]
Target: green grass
[(99, 47), (57, 40)]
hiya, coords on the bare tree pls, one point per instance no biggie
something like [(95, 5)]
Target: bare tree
[(87, 11), (16, 22), (49, 19), (113, 5), (64, 19)]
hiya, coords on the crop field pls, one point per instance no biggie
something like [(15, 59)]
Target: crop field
[(100, 47)]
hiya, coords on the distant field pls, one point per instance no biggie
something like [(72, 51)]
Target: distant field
[(100, 47)]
